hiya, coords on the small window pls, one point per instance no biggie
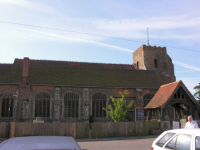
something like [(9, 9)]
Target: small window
[(137, 64), (183, 142), (155, 63), (197, 143), (164, 139)]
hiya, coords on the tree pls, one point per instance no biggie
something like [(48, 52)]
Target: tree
[(197, 93), (119, 109)]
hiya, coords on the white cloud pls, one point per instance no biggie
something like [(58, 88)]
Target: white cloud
[(186, 65), (165, 22), (185, 71), (65, 38)]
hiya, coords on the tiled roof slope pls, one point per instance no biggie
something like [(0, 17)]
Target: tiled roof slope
[(163, 95), (10, 73), (87, 76), (70, 63)]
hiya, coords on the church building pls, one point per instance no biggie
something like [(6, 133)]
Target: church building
[(64, 91)]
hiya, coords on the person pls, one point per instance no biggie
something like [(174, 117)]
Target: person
[(191, 123)]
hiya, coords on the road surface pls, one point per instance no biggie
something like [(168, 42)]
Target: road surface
[(126, 143)]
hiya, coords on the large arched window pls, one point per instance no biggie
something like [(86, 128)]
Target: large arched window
[(71, 105), (5, 107), (98, 103), (42, 105)]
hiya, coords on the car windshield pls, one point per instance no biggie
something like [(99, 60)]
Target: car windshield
[(164, 139)]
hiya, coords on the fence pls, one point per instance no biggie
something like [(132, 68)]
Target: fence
[(2, 129), (79, 130)]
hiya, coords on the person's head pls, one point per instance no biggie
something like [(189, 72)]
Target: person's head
[(190, 118)]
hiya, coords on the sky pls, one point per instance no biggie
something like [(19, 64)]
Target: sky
[(102, 31)]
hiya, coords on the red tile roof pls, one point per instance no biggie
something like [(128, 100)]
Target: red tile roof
[(163, 95), (80, 74)]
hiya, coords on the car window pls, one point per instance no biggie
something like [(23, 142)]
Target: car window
[(197, 143), (164, 139), (171, 144), (183, 142)]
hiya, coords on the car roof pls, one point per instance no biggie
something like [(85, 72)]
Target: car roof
[(40, 142), (185, 131)]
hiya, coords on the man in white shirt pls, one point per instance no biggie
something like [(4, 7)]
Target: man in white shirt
[(191, 123)]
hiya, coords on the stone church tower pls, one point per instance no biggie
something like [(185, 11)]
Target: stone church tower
[(155, 58)]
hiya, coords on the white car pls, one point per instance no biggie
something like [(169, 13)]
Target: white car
[(40, 143), (178, 139)]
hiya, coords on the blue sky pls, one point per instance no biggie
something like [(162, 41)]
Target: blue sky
[(174, 24)]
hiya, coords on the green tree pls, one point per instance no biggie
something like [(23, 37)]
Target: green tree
[(197, 93), (119, 109)]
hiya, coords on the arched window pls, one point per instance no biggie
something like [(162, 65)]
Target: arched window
[(42, 105), (5, 107), (155, 63), (98, 103), (71, 103)]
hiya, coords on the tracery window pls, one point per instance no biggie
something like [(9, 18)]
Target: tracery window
[(42, 105), (5, 107), (71, 105), (98, 103)]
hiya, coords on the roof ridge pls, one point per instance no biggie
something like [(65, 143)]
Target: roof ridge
[(179, 81), (75, 62)]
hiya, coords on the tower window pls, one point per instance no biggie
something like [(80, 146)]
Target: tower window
[(138, 64), (155, 63)]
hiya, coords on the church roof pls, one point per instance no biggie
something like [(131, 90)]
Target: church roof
[(165, 93), (79, 74), (10, 73), (93, 76)]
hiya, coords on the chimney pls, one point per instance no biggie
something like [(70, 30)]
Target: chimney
[(25, 69)]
